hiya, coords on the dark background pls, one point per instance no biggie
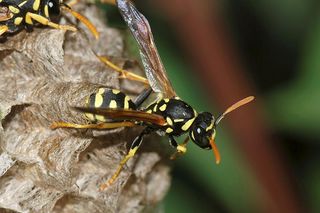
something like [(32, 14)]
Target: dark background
[(217, 52)]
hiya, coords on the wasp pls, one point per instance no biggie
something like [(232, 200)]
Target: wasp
[(167, 115), (16, 15)]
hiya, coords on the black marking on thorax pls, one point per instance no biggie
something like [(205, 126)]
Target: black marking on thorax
[(178, 114)]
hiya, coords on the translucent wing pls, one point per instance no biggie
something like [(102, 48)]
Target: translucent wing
[(140, 28), (123, 114)]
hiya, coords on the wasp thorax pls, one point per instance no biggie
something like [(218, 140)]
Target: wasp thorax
[(202, 130)]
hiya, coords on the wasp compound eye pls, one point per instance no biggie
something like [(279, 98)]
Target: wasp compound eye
[(202, 130)]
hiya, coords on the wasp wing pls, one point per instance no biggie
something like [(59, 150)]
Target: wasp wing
[(140, 28), (123, 114)]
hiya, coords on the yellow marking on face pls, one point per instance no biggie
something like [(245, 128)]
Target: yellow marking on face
[(36, 5), (113, 104), (46, 11), (166, 100), (177, 98), (18, 20), (192, 135), (163, 107), (169, 121), (98, 101), (28, 19), (178, 120), (209, 127), (169, 130), (187, 125), (195, 113), (22, 3), (126, 102), (14, 9)]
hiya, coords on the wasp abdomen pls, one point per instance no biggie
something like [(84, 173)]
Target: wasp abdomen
[(108, 98)]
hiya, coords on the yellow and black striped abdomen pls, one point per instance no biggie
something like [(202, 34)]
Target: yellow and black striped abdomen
[(108, 98)]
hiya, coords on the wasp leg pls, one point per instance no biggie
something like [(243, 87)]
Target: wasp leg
[(142, 96), (56, 125), (181, 149), (123, 73), (84, 20), (45, 21), (133, 149), (3, 29)]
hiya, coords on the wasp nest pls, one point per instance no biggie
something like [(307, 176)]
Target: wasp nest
[(43, 73)]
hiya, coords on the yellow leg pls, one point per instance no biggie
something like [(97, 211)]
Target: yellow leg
[(3, 29), (133, 149), (124, 73), (119, 169), (45, 21), (181, 149), (56, 125)]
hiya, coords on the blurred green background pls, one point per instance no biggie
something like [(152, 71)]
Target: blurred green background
[(278, 45)]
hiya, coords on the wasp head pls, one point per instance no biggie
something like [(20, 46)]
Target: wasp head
[(202, 130)]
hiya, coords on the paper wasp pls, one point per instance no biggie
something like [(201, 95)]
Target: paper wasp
[(16, 15), (169, 115)]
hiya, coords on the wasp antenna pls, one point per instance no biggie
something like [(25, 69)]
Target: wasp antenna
[(234, 107), (83, 19)]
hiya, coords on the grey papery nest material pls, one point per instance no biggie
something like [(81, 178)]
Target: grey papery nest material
[(43, 73)]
